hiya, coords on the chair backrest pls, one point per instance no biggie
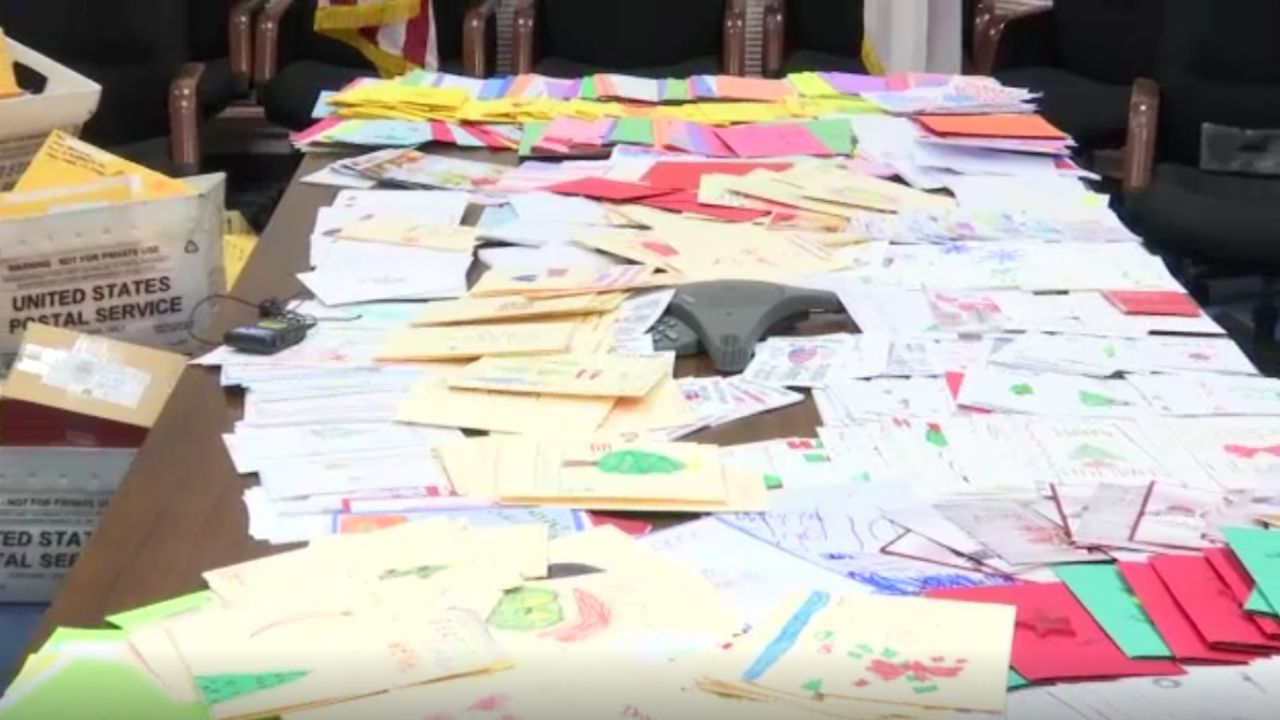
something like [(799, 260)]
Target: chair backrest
[(1111, 41), (630, 34), (1219, 64), (449, 16), (829, 26), (208, 29), (102, 32)]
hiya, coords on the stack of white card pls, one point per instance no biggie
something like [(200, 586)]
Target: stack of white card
[(814, 362), (347, 271)]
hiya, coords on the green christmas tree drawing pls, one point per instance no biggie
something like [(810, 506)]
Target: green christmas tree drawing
[(216, 689), (527, 609), (638, 462), (1093, 399), (1093, 454), (1022, 389)]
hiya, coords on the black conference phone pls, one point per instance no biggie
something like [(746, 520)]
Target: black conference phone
[(726, 318)]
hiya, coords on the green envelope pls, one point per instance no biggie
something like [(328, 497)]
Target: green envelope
[(588, 91), (632, 131), (1017, 681), (533, 132), (1104, 593), (1258, 604), (1259, 552), (837, 135), (675, 90), (139, 617)]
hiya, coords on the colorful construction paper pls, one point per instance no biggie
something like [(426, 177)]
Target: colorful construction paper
[(1237, 579), (1214, 611), (1025, 126), (1105, 594), (855, 84), (772, 140), (603, 189), (1056, 638), (1176, 628), (837, 135), (1259, 552), (632, 131)]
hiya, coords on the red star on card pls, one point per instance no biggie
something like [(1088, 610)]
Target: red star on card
[(1210, 604), (1056, 638), (1153, 302), (1174, 626)]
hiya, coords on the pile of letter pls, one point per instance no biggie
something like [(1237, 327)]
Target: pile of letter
[(1041, 487)]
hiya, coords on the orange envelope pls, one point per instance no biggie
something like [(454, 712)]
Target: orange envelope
[(1028, 126), (730, 87)]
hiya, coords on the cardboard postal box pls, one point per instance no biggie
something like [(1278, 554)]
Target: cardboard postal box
[(71, 389)]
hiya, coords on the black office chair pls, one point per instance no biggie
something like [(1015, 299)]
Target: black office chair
[(163, 64), (293, 63), (813, 35), (654, 38), (1083, 55), (1196, 189)]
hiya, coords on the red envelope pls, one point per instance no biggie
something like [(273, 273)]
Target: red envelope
[(684, 201), (688, 175), (1240, 583), (1153, 302), (1210, 604), (1175, 627), (602, 189), (630, 526), (1056, 638)]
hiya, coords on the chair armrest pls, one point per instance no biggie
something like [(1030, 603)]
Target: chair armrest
[(184, 118), (1140, 146), (526, 14), (775, 37), (240, 38), (734, 41), (1012, 40), (474, 27), (266, 48)]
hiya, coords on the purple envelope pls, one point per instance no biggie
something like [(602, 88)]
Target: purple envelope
[(853, 83)]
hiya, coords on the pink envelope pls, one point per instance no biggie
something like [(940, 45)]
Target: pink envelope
[(779, 140)]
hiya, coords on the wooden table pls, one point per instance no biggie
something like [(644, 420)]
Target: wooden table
[(179, 511)]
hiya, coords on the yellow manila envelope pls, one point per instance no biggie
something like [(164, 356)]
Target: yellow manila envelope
[(663, 408), (112, 191), (861, 190), (562, 281), (254, 662), (8, 78), (474, 310), (586, 375), (432, 402), (533, 470), (410, 233), (718, 252), (65, 160), (473, 341)]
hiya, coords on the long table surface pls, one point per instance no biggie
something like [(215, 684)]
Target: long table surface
[(179, 511)]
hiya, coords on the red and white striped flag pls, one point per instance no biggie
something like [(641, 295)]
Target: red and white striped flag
[(395, 35)]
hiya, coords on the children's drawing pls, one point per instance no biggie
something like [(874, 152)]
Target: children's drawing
[(593, 617), (638, 462), (1246, 452), (216, 689), (527, 609)]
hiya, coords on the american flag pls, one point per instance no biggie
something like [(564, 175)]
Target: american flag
[(395, 35)]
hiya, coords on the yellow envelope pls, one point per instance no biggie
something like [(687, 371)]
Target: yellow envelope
[(410, 233), (562, 281), (583, 375), (254, 662), (663, 408), (472, 341), (432, 402), (64, 160), (112, 191), (8, 79), (471, 309), (535, 471)]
